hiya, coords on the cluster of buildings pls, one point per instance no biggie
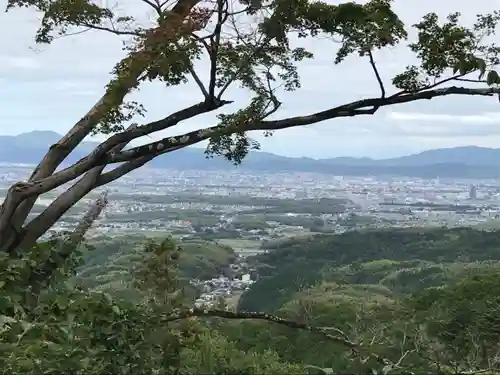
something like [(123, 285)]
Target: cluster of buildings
[(220, 289), (375, 201)]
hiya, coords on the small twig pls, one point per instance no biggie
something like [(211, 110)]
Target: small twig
[(193, 73), (377, 74), (470, 80)]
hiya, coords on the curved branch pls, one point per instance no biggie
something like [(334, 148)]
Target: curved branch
[(157, 7), (140, 155), (360, 107), (339, 337), (377, 74), (99, 155), (45, 220), (59, 151)]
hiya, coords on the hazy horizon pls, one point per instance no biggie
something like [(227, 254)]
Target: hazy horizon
[(198, 146)]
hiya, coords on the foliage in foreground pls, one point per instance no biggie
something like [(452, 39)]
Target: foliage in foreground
[(69, 330), (336, 326)]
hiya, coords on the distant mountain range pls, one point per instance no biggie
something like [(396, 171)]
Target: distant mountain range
[(458, 162)]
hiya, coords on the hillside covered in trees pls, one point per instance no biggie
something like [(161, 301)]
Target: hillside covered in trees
[(424, 298), (404, 260), (429, 304)]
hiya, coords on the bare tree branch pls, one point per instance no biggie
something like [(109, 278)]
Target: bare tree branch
[(100, 156), (14, 198), (360, 107), (195, 76), (377, 74), (213, 49), (44, 221), (59, 151), (254, 49), (340, 338), (156, 6)]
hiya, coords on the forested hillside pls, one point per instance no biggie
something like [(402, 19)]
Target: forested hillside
[(421, 300), (111, 259), (424, 301), (419, 297), (404, 260)]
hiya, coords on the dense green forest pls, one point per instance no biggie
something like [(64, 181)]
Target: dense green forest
[(427, 299), (418, 300), (403, 260), (110, 259)]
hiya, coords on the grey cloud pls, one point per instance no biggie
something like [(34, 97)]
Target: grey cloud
[(438, 130), (452, 105), (88, 58)]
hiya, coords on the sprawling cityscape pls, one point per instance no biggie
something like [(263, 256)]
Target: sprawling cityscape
[(249, 211), (158, 196)]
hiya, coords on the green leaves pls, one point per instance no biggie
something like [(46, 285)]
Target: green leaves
[(444, 47), (441, 46), (470, 64), (492, 78), (412, 80), (60, 15), (376, 27), (448, 45)]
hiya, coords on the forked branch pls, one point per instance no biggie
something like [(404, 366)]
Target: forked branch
[(112, 97)]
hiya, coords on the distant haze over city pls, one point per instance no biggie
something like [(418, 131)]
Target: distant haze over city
[(468, 161)]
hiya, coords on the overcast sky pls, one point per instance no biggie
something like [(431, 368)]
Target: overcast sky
[(49, 87)]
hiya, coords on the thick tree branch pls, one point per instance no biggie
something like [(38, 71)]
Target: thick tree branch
[(59, 151), (356, 108), (367, 106), (21, 191), (100, 155), (45, 220), (138, 156), (339, 337)]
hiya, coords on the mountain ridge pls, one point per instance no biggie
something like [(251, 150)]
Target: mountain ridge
[(456, 162)]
